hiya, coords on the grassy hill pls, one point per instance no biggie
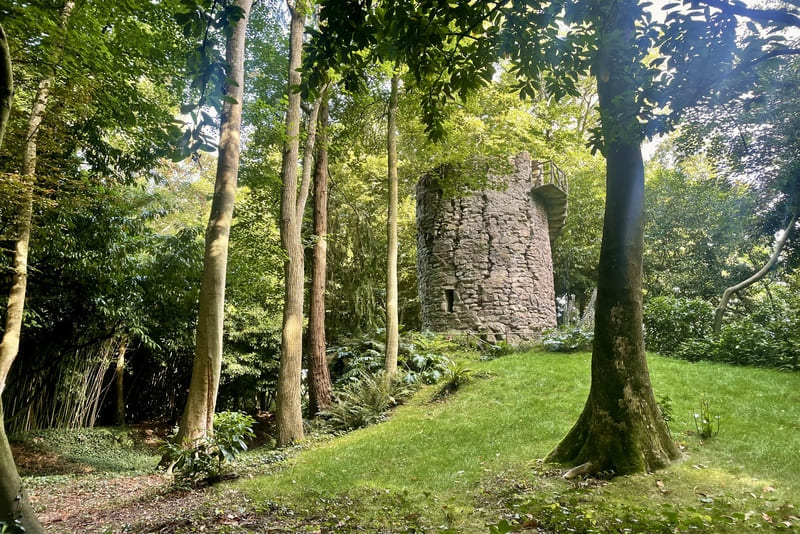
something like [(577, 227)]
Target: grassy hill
[(473, 459), (470, 462)]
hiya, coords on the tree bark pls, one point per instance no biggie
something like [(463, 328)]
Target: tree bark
[(392, 326), (319, 378), (719, 313), (289, 417), (119, 382), (198, 415), (620, 429), (14, 504), (6, 83)]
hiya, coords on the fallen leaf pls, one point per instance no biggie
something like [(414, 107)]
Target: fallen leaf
[(766, 517), (767, 489)]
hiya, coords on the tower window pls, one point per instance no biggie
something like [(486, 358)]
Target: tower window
[(449, 299)]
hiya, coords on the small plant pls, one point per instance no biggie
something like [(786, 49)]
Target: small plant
[(456, 375), (704, 422), (11, 528), (568, 339), (366, 400), (665, 409), (205, 459)]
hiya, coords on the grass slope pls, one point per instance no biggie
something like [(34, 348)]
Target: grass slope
[(472, 459)]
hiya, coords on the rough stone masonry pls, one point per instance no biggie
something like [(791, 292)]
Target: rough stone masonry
[(484, 261)]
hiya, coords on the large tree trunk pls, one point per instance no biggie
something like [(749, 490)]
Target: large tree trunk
[(719, 313), (392, 327), (319, 378), (289, 417), (620, 429), (198, 415), (13, 502)]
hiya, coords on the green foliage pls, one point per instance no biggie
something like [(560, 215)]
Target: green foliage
[(690, 250), (14, 527), (706, 423), (99, 450), (665, 409), (568, 339), (762, 331), (669, 321), (366, 400), (423, 357), (205, 459), (456, 375)]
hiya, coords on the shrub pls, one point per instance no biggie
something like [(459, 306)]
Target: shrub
[(744, 342), (205, 459), (366, 400), (568, 339), (669, 321)]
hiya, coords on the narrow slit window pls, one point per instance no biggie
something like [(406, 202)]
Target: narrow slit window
[(450, 299)]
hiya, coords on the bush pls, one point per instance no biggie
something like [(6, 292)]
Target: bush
[(366, 400), (744, 342), (421, 356), (205, 459), (669, 321), (568, 339)]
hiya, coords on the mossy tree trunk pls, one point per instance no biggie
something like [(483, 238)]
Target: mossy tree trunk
[(620, 429), (198, 415), (392, 324), (319, 378)]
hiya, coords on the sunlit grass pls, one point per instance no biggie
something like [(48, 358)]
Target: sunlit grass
[(451, 463)]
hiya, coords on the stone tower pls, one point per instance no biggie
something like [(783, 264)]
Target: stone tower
[(484, 261)]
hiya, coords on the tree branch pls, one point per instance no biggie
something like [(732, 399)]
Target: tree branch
[(774, 16)]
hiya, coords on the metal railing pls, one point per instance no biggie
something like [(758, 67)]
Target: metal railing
[(547, 172)]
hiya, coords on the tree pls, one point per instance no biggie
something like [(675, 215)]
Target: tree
[(620, 427), (14, 506), (719, 313), (198, 416), (392, 327), (289, 417), (15, 509), (699, 225), (319, 378), (6, 83)]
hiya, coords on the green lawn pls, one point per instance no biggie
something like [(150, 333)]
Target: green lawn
[(473, 459)]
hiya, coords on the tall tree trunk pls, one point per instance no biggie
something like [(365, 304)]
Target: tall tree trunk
[(14, 505), (289, 417), (392, 327), (119, 382), (319, 378), (6, 83), (719, 313), (620, 428), (198, 415)]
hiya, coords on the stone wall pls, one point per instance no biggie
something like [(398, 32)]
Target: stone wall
[(484, 261)]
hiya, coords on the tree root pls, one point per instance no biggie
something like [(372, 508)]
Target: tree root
[(583, 469)]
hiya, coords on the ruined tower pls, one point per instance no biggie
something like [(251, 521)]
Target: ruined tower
[(484, 261)]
